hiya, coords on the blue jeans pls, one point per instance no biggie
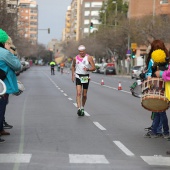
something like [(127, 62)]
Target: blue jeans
[(3, 103), (160, 120)]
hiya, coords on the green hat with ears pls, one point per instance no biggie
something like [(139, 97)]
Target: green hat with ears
[(3, 36)]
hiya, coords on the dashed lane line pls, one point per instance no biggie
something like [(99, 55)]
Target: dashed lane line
[(99, 126), (123, 148)]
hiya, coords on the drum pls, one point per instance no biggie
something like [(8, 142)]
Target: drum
[(153, 95)]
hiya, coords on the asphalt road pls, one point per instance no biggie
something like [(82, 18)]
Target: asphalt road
[(48, 134)]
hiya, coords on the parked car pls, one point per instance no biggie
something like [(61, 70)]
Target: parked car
[(110, 70), (107, 68), (135, 71), (97, 65)]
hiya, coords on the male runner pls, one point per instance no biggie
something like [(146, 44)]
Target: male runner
[(82, 64)]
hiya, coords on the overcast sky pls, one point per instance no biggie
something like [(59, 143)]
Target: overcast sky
[(51, 15)]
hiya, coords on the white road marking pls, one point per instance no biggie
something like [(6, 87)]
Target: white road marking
[(86, 113), (62, 91), (157, 160), (65, 94), (111, 87), (70, 99), (75, 104), (88, 159), (123, 148), (99, 126), (15, 158)]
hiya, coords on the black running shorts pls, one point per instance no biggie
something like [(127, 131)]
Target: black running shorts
[(78, 81)]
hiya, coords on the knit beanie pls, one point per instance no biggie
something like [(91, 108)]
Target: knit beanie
[(3, 36)]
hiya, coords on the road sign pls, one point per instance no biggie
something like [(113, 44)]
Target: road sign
[(133, 45)]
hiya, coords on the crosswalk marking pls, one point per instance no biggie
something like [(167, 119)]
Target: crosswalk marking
[(88, 159), (157, 160), (15, 158)]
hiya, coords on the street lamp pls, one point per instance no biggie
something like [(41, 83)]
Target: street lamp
[(114, 2)]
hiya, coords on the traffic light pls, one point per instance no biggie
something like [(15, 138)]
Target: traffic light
[(48, 30), (91, 25), (133, 54)]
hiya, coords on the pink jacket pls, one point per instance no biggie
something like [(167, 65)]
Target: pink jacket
[(166, 74)]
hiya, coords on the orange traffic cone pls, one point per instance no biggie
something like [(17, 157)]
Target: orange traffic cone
[(102, 82), (119, 86)]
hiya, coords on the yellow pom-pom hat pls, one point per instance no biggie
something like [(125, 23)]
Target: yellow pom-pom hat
[(158, 56)]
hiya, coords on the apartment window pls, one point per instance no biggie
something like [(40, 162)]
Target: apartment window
[(95, 21), (87, 4), (86, 13), (33, 17), (86, 22), (96, 4), (94, 13), (86, 30), (33, 35), (33, 23), (164, 2)]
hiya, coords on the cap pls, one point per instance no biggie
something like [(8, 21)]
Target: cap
[(81, 48), (3, 36)]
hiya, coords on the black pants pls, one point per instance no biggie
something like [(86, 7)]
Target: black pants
[(3, 103), (52, 71)]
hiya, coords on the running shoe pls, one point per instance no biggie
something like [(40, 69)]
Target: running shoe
[(166, 136), (168, 139), (2, 140), (7, 126), (82, 112), (79, 112), (148, 128), (150, 135)]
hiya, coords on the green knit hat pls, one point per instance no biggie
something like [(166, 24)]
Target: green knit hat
[(3, 36)]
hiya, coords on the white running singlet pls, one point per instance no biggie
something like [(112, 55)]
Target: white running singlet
[(81, 63)]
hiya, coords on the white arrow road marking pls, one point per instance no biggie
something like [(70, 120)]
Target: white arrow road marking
[(15, 158), (88, 159), (157, 160), (123, 148)]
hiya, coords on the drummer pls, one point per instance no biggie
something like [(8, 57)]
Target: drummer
[(160, 118)]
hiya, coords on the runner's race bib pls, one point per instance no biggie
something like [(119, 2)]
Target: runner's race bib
[(84, 79)]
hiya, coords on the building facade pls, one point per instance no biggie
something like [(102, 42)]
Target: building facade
[(90, 11), (67, 29), (28, 20), (138, 8), (79, 16)]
